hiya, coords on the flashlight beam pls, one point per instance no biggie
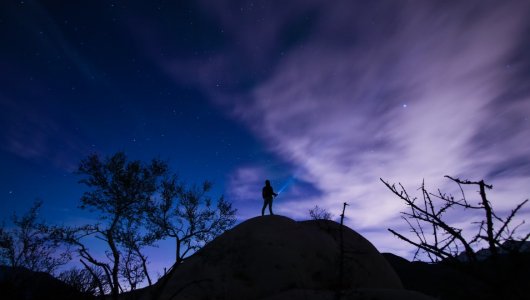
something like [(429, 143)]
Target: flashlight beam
[(286, 184)]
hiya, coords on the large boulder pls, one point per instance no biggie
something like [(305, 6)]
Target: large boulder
[(274, 257), (21, 283), (505, 277)]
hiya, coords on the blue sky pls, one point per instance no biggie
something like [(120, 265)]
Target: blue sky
[(330, 96)]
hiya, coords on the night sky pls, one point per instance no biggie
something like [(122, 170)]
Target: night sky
[(327, 96)]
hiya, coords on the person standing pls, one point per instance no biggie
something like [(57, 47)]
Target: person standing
[(268, 193)]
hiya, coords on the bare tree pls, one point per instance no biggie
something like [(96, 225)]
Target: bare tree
[(132, 269), (190, 216), (88, 280), (318, 213), (28, 244), (342, 250), (120, 191), (134, 239), (439, 240)]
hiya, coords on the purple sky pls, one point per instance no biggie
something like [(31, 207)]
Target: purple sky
[(333, 95), (405, 91)]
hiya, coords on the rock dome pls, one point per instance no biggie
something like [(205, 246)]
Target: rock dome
[(274, 257)]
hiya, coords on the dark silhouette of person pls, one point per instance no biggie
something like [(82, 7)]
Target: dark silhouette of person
[(268, 193)]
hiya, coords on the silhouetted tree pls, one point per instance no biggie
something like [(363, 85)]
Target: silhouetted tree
[(28, 244), (189, 215), (442, 241), (120, 191), (88, 280), (318, 213), (134, 238), (342, 250)]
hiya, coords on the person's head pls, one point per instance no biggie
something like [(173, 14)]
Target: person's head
[(267, 182)]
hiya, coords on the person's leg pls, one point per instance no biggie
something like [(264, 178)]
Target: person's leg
[(264, 205), (270, 206)]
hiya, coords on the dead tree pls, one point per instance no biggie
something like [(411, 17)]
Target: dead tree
[(87, 281), (28, 243), (189, 216), (441, 241), (119, 192), (318, 213), (340, 286), (341, 258)]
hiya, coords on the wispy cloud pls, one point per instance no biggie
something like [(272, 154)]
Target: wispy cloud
[(401, 91), (295, 197), (244, 186)]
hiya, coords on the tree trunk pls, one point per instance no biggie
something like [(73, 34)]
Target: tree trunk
[(144, 266), (341, 257), (489, 220), (115, 268), (178, 259), (96, 278)]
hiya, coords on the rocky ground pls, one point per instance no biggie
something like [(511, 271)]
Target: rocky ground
[(274, 257)]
